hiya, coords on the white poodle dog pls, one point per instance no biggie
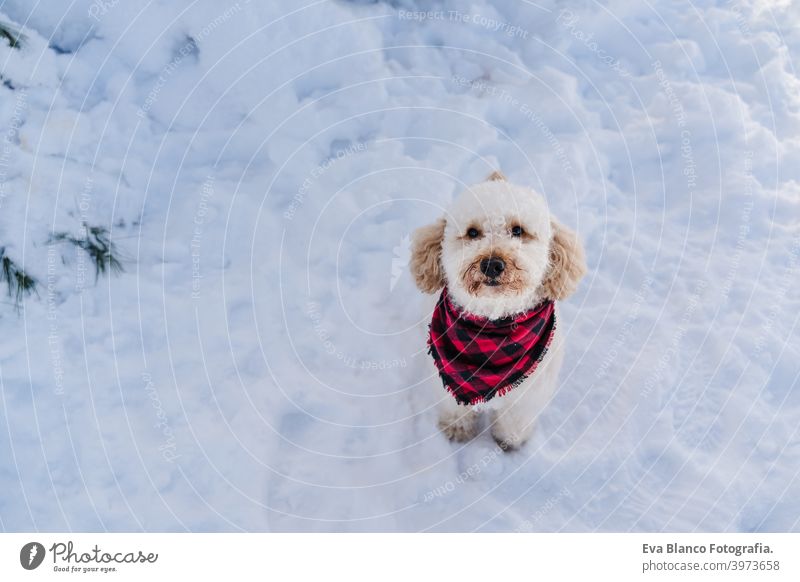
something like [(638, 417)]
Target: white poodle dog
[(500, 261)]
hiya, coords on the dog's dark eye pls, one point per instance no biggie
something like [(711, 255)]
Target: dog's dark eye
[(473, 233), (517, 231)]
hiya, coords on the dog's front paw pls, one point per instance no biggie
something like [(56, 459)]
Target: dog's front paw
[(459, 426), (508, 440), (512, 427)]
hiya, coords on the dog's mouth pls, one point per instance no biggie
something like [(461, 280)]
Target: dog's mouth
[(510, 281)]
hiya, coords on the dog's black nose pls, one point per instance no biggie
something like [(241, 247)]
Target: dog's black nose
[(493, 267)]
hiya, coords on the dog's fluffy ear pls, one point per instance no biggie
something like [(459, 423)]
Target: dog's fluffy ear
[(426, 257), (567, 263), (496, 176)]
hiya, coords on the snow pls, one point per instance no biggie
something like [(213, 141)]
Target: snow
[(261, 166)]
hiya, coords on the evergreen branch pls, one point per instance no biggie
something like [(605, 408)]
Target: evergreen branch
[(14, 37), (19, 283), (97, 243)]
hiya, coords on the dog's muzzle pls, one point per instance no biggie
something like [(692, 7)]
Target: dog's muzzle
[(493, 267)]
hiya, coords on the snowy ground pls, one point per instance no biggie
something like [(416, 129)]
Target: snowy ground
[(261, 166)]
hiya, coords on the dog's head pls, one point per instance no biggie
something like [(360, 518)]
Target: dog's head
[(498, 251)]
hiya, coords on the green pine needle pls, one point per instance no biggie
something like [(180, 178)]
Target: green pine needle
[(19, 283), (12, 36), (98, 245)]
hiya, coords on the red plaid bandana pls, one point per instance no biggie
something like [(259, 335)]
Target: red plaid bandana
[(479, 358)]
